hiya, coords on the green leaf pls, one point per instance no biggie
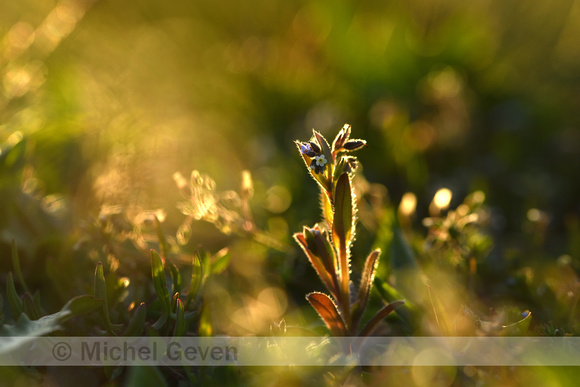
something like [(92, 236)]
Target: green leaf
[(408, 312), (29, 308), (145, 376), (519, 328), (328, 311), (175, 276), (402, 256), (17, 268), (100, 291), (327, 210), (160, 284), (174, 301), (162, 240), (366, 283), (180, 324), (342, 226), (79, 305), (196, 275), (13, 299), (220, 261), (137, 321), (12, 159), (205, 327), (381, 314)]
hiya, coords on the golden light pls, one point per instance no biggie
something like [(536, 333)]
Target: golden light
[(442, 198), (408, 204), (534, 215)]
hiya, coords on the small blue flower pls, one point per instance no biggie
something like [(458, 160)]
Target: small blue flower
[(318, 164), (307, 148)]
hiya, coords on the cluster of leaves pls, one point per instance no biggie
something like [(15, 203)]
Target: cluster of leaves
[(328, 244), (176, 307)]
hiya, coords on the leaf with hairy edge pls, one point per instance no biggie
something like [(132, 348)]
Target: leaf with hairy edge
[(322, 179), (381, 314), (13, 299), (343, 212), (319, 244), (341, 138), (325, 150), (137, 322), (317, 264), (328, 311), (366, 283), (342, 234), (327, 209), (160, 285)]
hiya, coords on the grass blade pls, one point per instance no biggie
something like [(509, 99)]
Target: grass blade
[(196, 274), (180, 324), (17, 269), (160, 284), (175, 276), (100, 291), (13, 299)]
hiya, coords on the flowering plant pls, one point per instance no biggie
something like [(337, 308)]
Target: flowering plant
[(327, 245)]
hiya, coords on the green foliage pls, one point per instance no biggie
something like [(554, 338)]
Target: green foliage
[(101, 103), (24, 328)]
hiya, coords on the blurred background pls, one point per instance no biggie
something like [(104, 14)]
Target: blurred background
[(102, 102)]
